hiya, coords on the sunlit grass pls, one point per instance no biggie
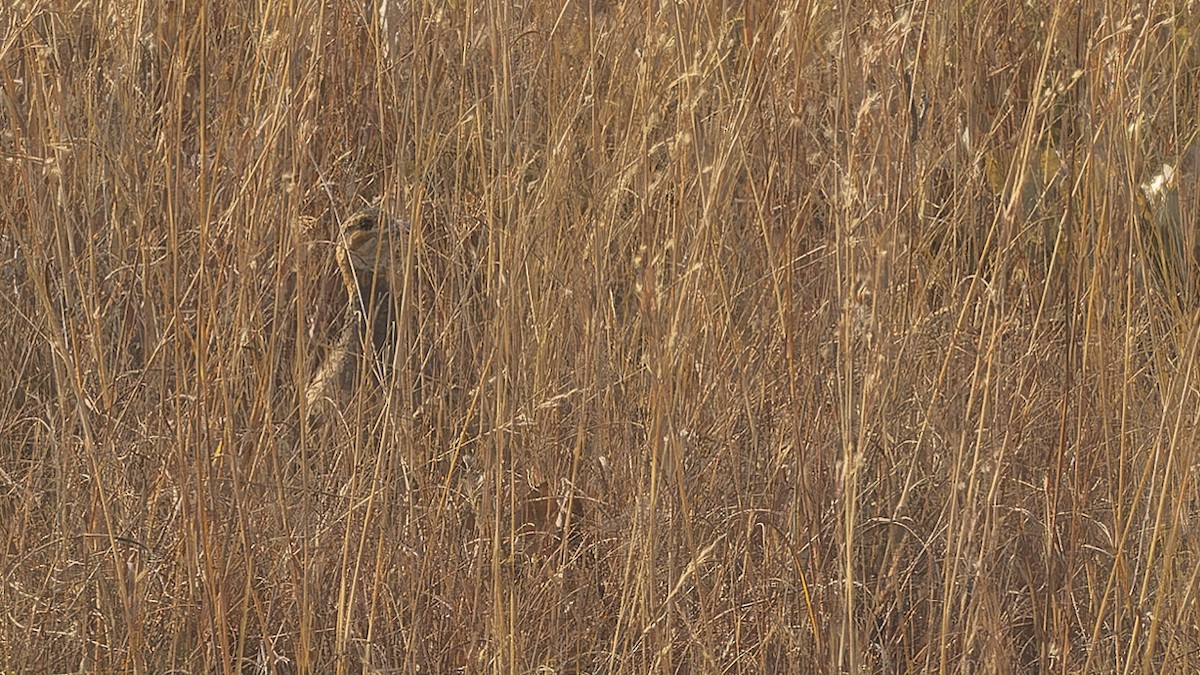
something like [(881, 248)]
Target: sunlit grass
[(749, 338)]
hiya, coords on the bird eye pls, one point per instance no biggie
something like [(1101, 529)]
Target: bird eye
[(366, 223)]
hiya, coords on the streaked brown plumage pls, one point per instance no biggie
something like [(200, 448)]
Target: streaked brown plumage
[(367, 328)]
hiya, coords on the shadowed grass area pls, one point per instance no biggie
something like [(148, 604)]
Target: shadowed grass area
[(733, 337)]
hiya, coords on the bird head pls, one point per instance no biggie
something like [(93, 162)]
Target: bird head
[(363, 241)]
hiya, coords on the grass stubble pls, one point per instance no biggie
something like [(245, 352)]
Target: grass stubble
[(737, 337)]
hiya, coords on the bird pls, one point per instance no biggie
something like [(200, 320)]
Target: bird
[(368, 331)]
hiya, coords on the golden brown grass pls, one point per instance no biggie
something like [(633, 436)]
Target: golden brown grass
[(737, 338)]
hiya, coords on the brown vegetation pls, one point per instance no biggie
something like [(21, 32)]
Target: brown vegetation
[(731, 337)]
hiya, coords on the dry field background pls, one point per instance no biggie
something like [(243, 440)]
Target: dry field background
[(739, 337)]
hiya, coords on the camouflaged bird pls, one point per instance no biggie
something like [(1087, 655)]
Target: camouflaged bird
[(368, 332)]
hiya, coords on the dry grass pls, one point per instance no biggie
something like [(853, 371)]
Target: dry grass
[(740, 338)]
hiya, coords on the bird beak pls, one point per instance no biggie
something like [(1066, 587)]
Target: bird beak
[(398, 226)]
